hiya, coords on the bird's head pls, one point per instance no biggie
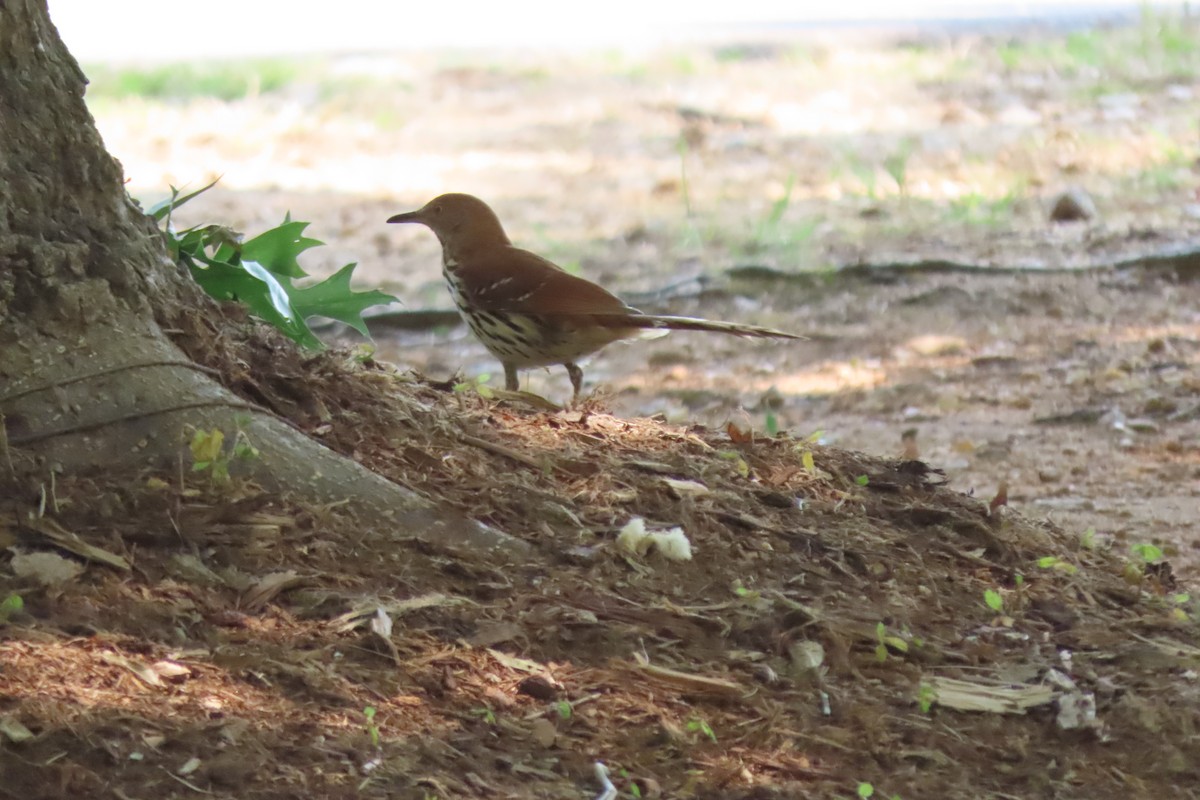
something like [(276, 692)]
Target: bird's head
[(461, 222)]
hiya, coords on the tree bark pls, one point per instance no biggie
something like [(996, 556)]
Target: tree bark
[(88, 378)]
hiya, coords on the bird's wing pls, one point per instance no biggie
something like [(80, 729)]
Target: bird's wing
[(517, 280)]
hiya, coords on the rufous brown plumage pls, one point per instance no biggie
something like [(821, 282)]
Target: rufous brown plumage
[(527, 311)]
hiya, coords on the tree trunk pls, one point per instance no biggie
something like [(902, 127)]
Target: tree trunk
[(88, 378)]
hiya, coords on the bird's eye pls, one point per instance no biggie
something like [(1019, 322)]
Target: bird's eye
[(437, 209)]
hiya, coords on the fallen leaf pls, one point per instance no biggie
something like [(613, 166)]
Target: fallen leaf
[(48, 569), (14, 731), (1001, 498), (143, 672), (269, 586), (543, 732)]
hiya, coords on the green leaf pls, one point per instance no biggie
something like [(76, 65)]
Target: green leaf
[(206, 445), (772, 424), (277, 293), (243, 449), (862, 480), (277, 248), (163, 208), (11, 605), (1087, 539), (1056, 563), (259, 290), (703, 727), (1147, 552), (865, 790), (259, 274), (334, 298), (926, 697), (993, 599)]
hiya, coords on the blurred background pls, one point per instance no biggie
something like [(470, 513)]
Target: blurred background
[(656, 138)]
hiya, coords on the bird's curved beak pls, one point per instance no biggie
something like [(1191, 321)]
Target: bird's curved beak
[(407, 216)]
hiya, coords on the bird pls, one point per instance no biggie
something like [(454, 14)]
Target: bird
[(526, 310)]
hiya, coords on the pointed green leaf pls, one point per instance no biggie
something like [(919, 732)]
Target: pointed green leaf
[(334, 298), (278, 248), (276, 292), (258, 289), (162, 209)]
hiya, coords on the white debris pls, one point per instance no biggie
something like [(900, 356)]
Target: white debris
[(672, 543)]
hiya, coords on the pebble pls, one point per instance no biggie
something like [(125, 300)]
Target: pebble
[(1073, 205)]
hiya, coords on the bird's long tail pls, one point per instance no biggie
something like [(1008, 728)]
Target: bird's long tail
[(663, 323)]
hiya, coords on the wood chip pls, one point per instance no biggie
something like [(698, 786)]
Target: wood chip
[(988, 697), (682, 489), (14, 731), (268, 587), (362, 614), (143, 672), (694, 684), (61, 537)]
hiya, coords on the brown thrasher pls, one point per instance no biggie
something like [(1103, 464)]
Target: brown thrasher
[(527, 311)]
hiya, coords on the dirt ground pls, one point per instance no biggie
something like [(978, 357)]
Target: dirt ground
[(890, 197)]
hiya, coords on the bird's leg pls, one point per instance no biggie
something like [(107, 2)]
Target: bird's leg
[(576, 376), (511, 381)]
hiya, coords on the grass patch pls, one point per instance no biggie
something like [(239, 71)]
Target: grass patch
[(183, 82), (1160, 46), (979, 209)]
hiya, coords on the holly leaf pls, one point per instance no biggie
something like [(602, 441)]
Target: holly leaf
[(334, 298), (278, 248)]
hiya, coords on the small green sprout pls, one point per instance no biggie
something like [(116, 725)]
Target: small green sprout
[(210, 454), (743, 468), (886, 641), (9, 606), (703, 727), (926, 697), (1087, 539), (1057, 564), (994, 600), (1148, 553), (372, 728), (478, 385)]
